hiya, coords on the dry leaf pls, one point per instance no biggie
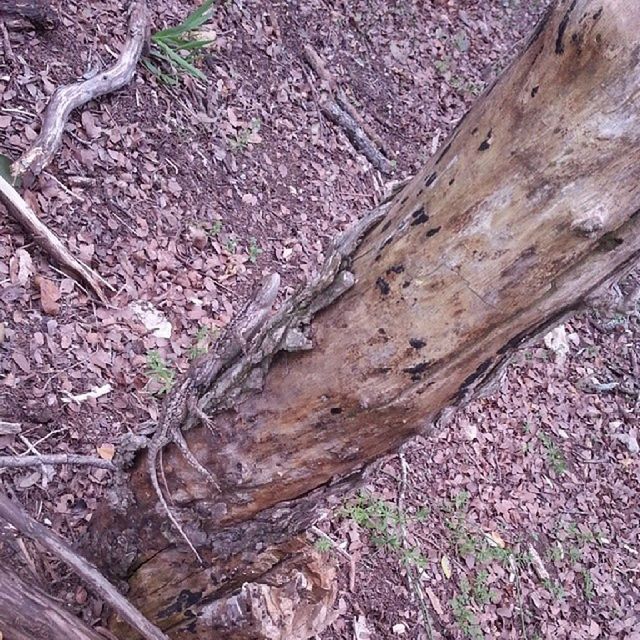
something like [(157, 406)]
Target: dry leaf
[(49, 295), (21, 267), (434, 600), (537, 564), (360, 629), (495, 539), (106, 451), (445, 563), (89, 124)]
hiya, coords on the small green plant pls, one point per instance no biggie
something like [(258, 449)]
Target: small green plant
[(175, 49), (231, 244), (422, 514), (215, 228), (463, 615), (554, 588), (254, 250), (556, 553), (587, 585), (442, 66), (158, 370), (323, 545), (246, 135), (380, 518), (554, 456), (201, 343), (479, 589)]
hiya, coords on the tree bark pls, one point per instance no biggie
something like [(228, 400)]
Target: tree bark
[(530, 208)]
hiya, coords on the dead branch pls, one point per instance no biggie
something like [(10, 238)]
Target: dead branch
[(67, 98), (16, 462), (354, 119), (14, 515), (47, 240), (356, 135)]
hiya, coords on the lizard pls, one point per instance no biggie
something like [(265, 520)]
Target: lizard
[(182, 399)]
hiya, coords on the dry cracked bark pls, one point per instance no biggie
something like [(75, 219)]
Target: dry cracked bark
[(529, 209)]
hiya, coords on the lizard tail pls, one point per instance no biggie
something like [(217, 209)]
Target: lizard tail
[(163, 502)]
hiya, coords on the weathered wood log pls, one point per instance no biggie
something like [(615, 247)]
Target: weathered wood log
[(27, 612), (12, 513), (531, 207)]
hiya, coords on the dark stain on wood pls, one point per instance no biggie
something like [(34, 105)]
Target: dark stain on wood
[(432, 232), (386, 225), (430, 180), (416, 343), (417, 370), (469, 380), (420, 216), (534, 91), (486, 143), (383, 286), (336, 411), (609, 243), (562, 28), (396, 268), (184, 600)]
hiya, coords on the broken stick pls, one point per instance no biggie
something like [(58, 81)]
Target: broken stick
[(342, 113), (47, 240), (69, 97)]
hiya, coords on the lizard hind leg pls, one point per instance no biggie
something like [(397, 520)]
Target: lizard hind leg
[(178, 438)]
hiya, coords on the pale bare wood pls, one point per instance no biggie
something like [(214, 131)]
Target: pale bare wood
[(27, 526), (48, 241), (70, 97)]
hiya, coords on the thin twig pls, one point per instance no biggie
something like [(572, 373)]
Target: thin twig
[(16, 462), (14, 515)]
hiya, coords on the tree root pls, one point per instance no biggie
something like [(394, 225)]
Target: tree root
[(337, 108), (15, 516), (48, 241), (69, 97)]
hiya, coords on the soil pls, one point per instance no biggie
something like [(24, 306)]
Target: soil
[(519, 520)]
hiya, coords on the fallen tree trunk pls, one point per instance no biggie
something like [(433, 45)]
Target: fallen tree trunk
[(530, 208)]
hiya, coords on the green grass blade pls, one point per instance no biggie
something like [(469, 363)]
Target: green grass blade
[(169, 53), (194, 20)]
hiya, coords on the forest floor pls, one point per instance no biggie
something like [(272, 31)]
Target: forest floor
[(520, 519)]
